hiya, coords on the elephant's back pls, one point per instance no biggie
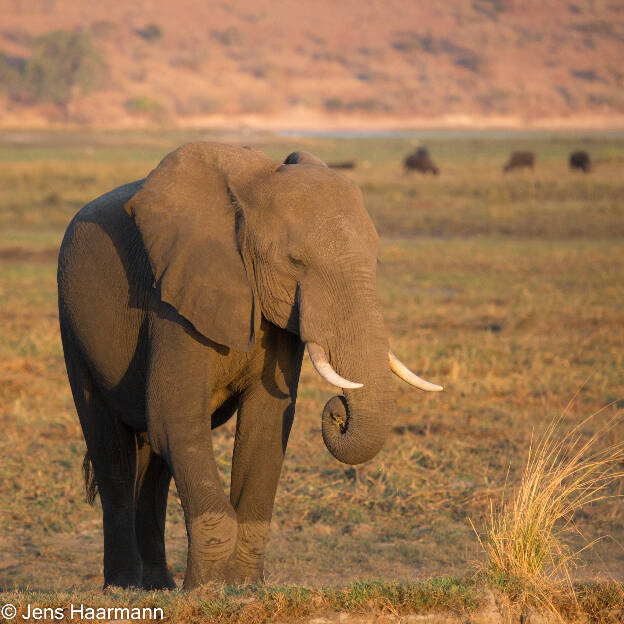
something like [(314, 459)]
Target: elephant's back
[(104, 284), (102, 252)]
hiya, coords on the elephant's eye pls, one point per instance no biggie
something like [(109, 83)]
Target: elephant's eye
[(295, 261)]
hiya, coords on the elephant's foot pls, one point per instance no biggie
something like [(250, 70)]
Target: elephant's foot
[(196, 576), (250, 574), (212, 550), (157, 578), (250, 552), (122, 578), (250, 565)]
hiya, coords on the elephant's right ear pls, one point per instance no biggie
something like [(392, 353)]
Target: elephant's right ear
[(191, 226), (303, 158)]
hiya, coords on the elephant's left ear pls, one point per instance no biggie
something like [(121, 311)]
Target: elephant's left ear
[(192, 225)]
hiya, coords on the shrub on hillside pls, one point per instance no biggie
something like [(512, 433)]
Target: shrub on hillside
[(143, 105), (491, 8), (334, 104), (228, 36), (11, 69), (367, 105), (151, 32), (62, 61), (103, 28)]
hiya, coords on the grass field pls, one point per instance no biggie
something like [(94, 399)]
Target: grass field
[(508, 289)]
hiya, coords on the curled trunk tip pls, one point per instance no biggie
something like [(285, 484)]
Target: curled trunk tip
[(349, 441)]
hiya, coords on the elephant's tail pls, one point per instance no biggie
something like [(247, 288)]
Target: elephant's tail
[(89, 479)]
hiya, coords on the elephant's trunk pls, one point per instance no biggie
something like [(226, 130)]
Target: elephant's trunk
[(356, 425), (341, 322), (353, 433)]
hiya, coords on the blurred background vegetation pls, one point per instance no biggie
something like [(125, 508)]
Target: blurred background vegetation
[(317, 65), (61, 63)]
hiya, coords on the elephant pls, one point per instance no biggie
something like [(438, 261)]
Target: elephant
[(419, 160), (342, 164), (580, 160), (189, 296), (517, 160)]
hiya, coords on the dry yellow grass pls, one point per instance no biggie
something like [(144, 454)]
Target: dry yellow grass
[(525, 538)]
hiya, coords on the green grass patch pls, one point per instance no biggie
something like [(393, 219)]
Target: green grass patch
[(442, 596), (256, 604)]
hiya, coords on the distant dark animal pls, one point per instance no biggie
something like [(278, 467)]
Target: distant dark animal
[(420, 160), (345, 164), (517, 160), (580, 160)]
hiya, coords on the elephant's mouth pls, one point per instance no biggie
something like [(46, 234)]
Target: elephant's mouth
[(325, 370)]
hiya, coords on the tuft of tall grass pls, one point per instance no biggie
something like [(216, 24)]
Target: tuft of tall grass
[(525, 539)]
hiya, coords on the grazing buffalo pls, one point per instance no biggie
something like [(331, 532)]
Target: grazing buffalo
[(580, 160), (420, 160), (517, 160), (345, 164)]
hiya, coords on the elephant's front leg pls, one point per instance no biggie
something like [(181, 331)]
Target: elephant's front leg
[(211, 524), (265, 416), (262, 430), (179, 430)]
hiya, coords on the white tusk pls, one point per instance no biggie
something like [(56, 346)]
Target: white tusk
[(400, 370), (324, 369)]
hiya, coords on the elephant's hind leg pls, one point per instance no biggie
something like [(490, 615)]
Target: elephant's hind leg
[(151, 491), (112, 451)]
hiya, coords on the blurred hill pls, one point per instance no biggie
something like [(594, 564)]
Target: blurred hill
[(311, 64)]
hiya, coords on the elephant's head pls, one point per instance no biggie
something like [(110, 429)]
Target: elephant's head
[(233, 235)]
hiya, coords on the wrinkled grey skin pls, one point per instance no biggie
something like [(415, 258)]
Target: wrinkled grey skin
[(187, 297)]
